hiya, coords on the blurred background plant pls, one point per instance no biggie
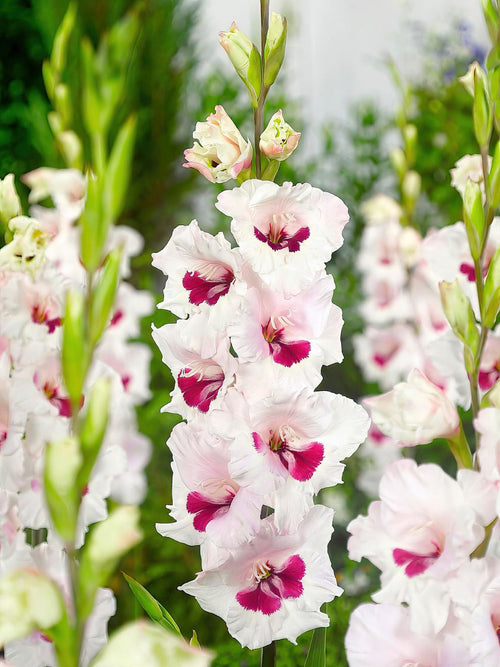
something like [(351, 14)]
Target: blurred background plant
[(169, 95)]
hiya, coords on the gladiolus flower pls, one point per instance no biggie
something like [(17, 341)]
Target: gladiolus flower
[(221, 153)]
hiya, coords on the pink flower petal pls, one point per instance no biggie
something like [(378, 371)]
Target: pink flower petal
[(289, 353), (199, 391), (302, 463), (415, 563), (203, 290), (256, 598), (206, 509)]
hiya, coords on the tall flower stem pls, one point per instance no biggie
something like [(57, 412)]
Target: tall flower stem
[(258, 113)]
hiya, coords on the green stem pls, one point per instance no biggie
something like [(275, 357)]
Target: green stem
[(478, 273), (78, 625), (258, 114), (460, 449), (480, 551), (268, 655)]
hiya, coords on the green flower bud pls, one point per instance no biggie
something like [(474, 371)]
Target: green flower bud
[(109, 540), (459, 313), (94, 427), (491, 295), (274, 50), (74, 348), (473, 216), (104, 294), (410, 135), (481, 108), (245, 58), (63, 461), (410, 187), (398, 161), (494, 178)]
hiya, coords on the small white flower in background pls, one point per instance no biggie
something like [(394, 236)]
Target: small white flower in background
[(380, 209)]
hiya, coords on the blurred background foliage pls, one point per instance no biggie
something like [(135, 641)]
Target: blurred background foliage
[(165, 89)]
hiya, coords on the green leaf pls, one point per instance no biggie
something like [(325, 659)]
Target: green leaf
[(152, 607), (194, 640), (316, 656)]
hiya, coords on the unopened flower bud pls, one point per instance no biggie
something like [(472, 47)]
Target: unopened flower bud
[(245, 59), (221, 153), (26, 251), (114, 536), (63, 461), (398, 160), (143, 642), (274, 50), (28, 601), (279, 139), (468, 79), (411, 186), (9, 201)]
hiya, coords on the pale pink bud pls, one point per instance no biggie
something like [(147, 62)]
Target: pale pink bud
[(221, 153), (414, 412), (28, 601), (278, 140)]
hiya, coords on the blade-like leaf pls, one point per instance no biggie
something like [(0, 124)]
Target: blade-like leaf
[(316, 656), (151, 606)]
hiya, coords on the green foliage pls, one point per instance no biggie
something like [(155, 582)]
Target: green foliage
[(152, 607)]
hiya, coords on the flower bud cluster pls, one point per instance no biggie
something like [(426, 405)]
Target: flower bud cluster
[(256, 325), (408, 347), (37, 268), (434, 538)]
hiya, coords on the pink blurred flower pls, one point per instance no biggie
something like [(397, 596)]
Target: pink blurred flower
[(414, 412), (380, 636)]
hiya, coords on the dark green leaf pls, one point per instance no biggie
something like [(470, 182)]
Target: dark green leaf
[(152, 607)]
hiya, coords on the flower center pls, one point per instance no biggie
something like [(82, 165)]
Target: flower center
[(282, 231), (299, 460), (208, 282), (271, 584), (285, 353), (40, 314)]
